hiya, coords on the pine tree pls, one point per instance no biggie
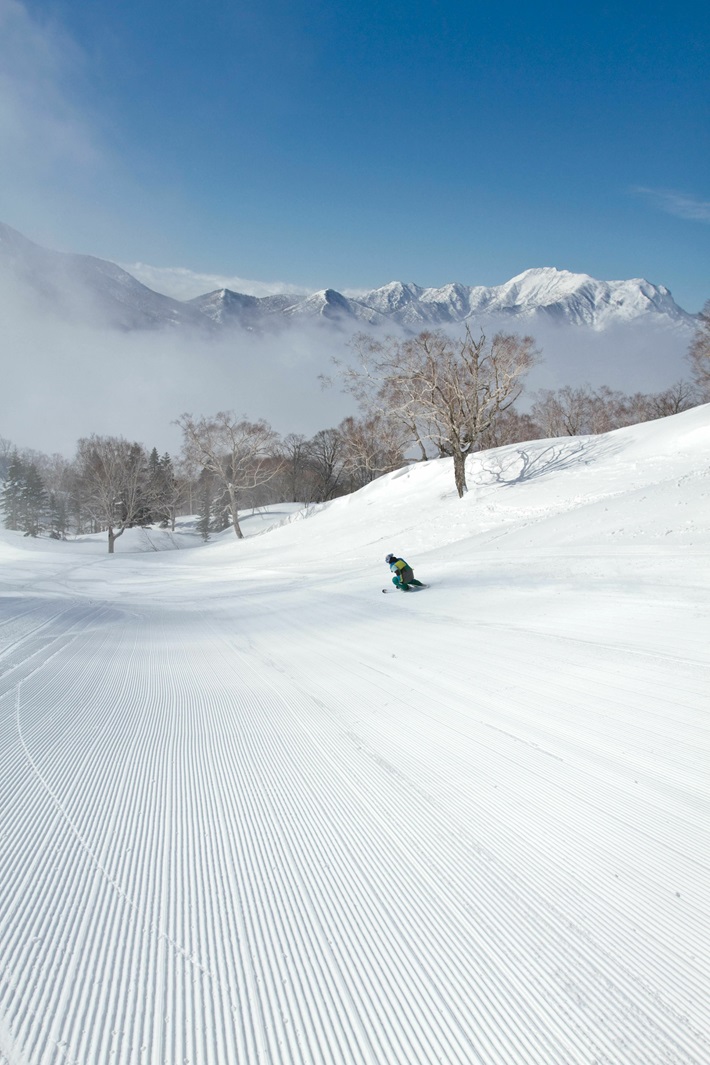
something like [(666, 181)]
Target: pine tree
[(24, 498), (35, 502)]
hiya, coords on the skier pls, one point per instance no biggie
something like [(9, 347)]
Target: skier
[(403, 574)]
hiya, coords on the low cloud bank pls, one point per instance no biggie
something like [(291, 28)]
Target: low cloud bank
[(184, 284), (64, 378)]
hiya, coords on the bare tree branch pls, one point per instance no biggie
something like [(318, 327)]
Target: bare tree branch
[(242, 455), (114, 473), (443, 391)]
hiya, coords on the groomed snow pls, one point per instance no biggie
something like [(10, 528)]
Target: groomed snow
[(254, 811)]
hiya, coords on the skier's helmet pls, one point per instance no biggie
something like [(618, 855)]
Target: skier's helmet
[(390, 559)]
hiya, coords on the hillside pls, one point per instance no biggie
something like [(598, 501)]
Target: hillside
[(253, 810)]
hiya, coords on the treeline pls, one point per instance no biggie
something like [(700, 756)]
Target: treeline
[(55, 496), (430, 395), (587, 411), (225, 465)]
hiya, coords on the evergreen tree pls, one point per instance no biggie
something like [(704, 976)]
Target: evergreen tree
[(35, 502), (152, 512), (24, 498), (168, 492), (58, 511), (221, 516), (12, 493)]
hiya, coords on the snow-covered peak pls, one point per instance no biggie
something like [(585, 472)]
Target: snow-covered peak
[(547, 291), (583, 299), (392, 297), (541, 293), (541, 282)]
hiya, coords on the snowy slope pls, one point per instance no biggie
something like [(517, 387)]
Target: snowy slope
[(253, 810)]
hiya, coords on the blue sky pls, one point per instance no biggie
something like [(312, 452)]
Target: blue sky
[(346, 145)]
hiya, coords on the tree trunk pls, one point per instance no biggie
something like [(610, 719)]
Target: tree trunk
[(233, 509), (112, 537), (460, 472)]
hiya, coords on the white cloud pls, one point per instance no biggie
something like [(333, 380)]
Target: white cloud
[(184, 284), (680, 204), (65, 379)]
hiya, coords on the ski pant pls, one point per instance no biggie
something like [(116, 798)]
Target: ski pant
[(404, 585)]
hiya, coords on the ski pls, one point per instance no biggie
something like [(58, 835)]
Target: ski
[(414, 588)]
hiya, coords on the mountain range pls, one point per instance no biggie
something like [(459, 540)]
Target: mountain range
[(75, 286)]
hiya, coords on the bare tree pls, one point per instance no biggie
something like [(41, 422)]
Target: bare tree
[(372, 446), (586, 411), (242, 455), (444, 391), (564, 412), (112, 472), (607, 409), (7, 450), (679, 397), (296, 474), (326, 457), (510, 427), (699, 354)]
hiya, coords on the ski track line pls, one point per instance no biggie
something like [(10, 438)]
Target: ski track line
[(384, 931), (26, 641), (178, 881), (231, 853), (267, 876), (249, 821), (570, 755), (86, 846)]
